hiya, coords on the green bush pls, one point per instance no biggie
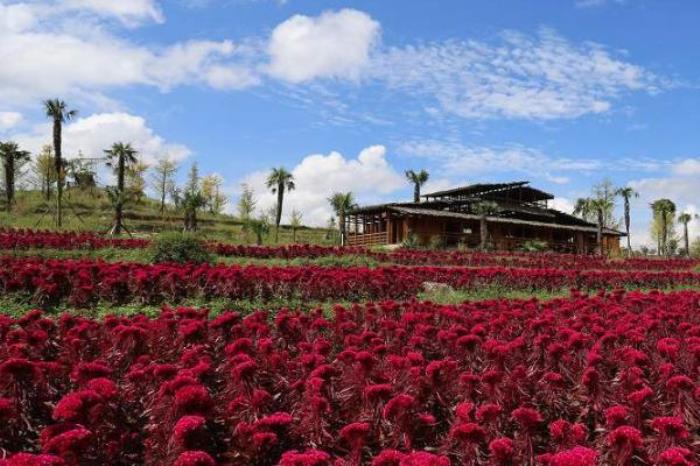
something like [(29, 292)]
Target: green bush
[(411, 242), (178, 247), (534, 246)]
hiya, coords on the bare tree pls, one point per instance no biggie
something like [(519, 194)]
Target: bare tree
[(163, 179)]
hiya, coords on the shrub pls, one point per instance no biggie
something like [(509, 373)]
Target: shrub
[(178, 247)]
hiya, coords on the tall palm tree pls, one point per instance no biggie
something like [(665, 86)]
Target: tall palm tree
[(418, 179), (279, 181), (120, 157), (341, 204), (584, 208), (663, 209), (685, 218), (594, 208), (57, 111), (600, 206), (484, 209), (627, 193), (12, 157)]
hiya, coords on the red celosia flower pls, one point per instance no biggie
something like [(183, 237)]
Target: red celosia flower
[(103, 387), (355, 434), (70, 442), (423, 458), (26, 459), (194, 458), (616, 416), (676, 456), (680, 383), (671, 427), (193, 399), (398, 406), (7, 408), (307, 458), (189, 432), (262, 440), (639, 396), (528, 418), (19, 370), (488, 412), (275, 421), (577, 456), (464, 411), (560, 430), (468, 433), (388, 458), (502, 449), (625, 436), (378, 392)]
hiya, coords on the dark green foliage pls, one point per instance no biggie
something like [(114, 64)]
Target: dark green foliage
[(178, 247)]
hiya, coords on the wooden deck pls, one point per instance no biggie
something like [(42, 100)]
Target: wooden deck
[(368, 240)]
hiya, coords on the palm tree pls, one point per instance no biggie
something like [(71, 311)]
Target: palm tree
[(279, 181), (685, 218), (120, 157), (663, 209), (626, 194), (418, 179), (584, 208), (600, 206), (295, 223), (594, 208), (57, 111), (484, 209), (342, 203), (12, 158)]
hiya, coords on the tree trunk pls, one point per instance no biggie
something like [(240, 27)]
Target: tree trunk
[(664, 233), (484, 232), (59, 168), (119, 210), (627, 226), (9, 183), (599, 233), (416, 193), (278, 214), (686, 239), (162, 196), (341, 225), (294, 235)]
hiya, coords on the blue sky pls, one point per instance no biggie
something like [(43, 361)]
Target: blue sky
[(349, 94)]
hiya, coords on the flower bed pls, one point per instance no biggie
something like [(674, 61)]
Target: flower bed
[(84, 283), (581, 381), (31, 239)]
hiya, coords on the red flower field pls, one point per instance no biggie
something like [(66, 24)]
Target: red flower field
[(611, 379)]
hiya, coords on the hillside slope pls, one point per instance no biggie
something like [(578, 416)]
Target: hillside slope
[(90, 210)]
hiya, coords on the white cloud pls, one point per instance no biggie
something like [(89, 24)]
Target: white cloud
[(562, 204), (130, 12), (456, 158), (334, 44), (46, 54), (318, 176), (687, 167), (682, 189), (541, 77), (92, 134), (9, 120)]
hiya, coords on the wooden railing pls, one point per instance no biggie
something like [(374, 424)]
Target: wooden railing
[(367, 239)]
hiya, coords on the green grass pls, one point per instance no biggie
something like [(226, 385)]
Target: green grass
[(142, 255), (18, 304), (87, 210)]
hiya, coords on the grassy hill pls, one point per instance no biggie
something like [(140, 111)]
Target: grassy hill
[(90, 210)]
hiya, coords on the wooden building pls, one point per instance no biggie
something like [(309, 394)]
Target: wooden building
[(450, 218)]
